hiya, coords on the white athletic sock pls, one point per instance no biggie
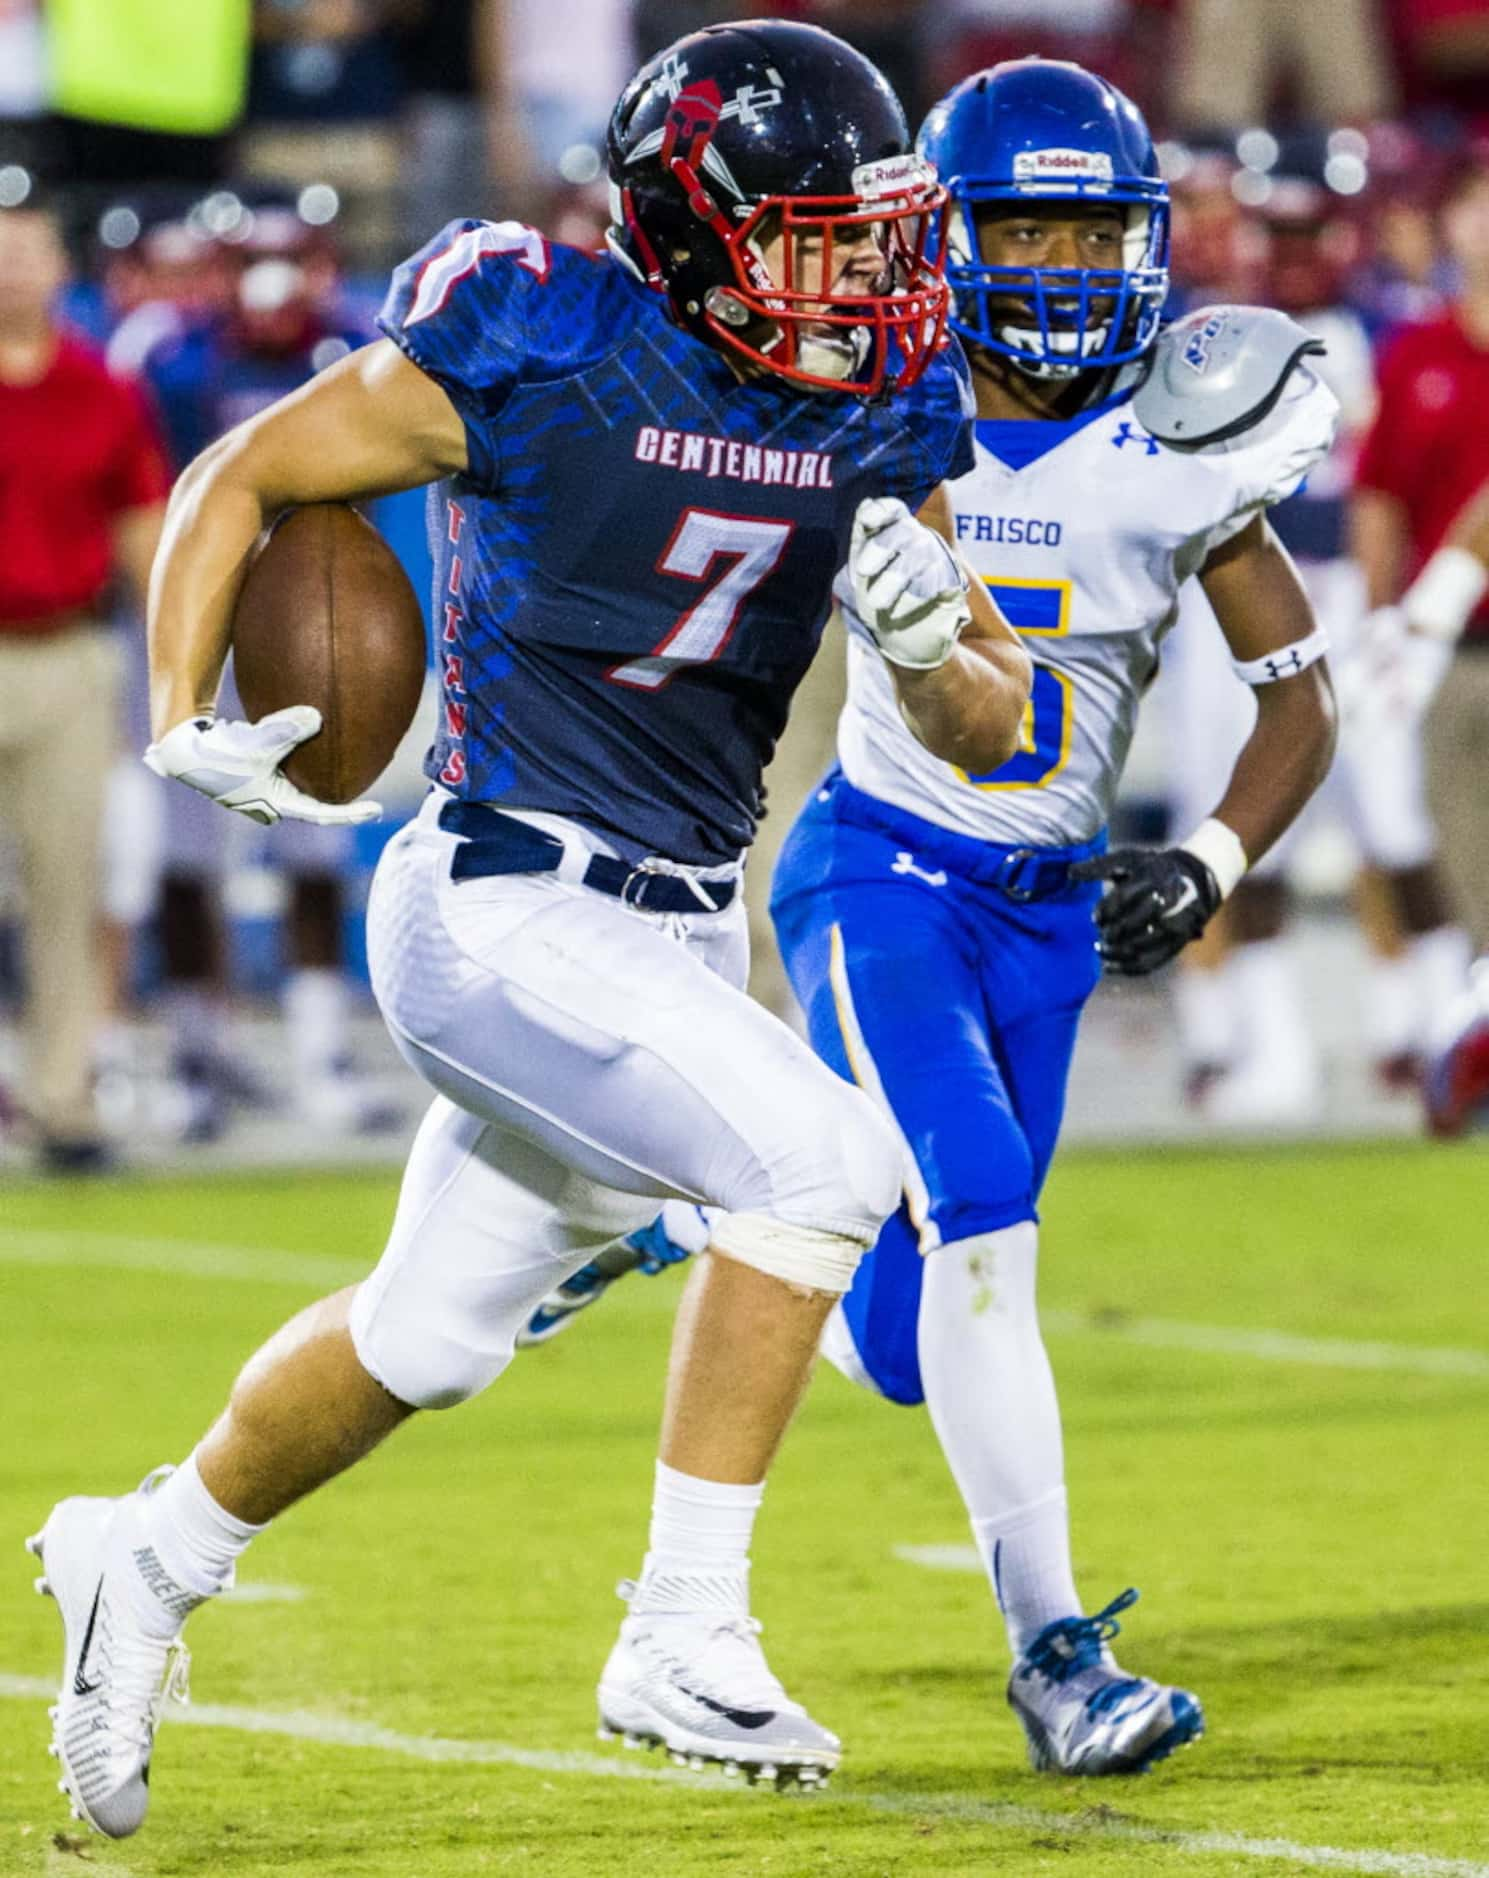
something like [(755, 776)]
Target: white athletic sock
[(991, 1395), (1269, 995), (1440, 960), (1390, 1006), (197, 1021), (700, 1537), (315, 1018), (195, 1540), (1204, 1006)]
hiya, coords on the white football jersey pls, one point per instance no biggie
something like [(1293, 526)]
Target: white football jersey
[(1084, 549)]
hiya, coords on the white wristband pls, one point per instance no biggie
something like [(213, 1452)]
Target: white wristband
[(1219, 847), (1440, 600)]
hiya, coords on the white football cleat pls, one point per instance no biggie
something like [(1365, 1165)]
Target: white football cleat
[(696, 1682), (116, 1674)]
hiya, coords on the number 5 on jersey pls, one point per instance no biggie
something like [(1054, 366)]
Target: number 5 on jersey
[(1036, 609), (698, 636)]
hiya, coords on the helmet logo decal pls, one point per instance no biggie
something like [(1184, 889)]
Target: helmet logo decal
[(1196, 354), (1062, 166)]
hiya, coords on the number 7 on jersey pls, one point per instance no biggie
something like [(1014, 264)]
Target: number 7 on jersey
[(699, 635)]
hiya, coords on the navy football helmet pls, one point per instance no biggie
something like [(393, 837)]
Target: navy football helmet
[(739, 136), (1045, 130)]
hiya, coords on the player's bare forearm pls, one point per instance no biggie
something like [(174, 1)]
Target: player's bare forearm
[(371, 425), (1259, 601), (969, 711), (1283, 761), (1377, 531)]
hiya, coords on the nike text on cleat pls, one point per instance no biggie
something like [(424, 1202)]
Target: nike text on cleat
[(1081, 1714), (116, 1673), (695, 1682)]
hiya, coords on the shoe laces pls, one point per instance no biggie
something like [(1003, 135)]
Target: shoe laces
[(1070, 1644), (721, 1651), (144, 1673)]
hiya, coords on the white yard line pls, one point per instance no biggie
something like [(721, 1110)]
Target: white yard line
[(175, 1258), (941, 1558), (260, 1592), (1272, 1346), (1094, 1825), (184, 1258)]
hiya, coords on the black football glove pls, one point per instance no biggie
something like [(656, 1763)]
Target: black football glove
[(1156, 901)]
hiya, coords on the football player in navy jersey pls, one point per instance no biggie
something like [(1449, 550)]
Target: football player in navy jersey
[(654, 463)]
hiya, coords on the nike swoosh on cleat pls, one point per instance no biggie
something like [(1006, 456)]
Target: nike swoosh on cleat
[(80, 1683), (741, 1717)]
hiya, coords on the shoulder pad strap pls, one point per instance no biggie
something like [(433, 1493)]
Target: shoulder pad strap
[(1218, 372)]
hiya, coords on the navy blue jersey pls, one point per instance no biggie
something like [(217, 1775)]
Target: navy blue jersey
[(634, 572)]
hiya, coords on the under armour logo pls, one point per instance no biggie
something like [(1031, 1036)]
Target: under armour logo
[(904, 863), (1285, 666), (1124, 434)]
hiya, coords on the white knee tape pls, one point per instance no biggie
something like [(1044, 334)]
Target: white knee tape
[(797, 1255)]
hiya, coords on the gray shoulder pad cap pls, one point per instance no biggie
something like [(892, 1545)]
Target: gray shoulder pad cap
[(1218, 372)]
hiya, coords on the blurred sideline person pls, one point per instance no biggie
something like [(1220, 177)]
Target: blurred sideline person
[(284, 324), (1250, 1056), (943, 924), (652, 463), (1415, 649), (83, 480), (1426, 458)]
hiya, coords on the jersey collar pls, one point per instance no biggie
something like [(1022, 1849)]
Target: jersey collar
[(1020, 441)]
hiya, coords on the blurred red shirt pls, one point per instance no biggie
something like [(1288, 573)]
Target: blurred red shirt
[(78, 448), (1429, 444)]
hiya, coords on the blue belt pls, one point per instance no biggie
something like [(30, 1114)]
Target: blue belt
[(1019, 873), (501, 844)]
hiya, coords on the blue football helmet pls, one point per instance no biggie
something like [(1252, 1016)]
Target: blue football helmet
[(1044, 129)]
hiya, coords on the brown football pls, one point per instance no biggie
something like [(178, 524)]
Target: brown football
[(326, 616)]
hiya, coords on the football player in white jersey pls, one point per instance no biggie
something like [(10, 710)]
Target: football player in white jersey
[(942, 928)]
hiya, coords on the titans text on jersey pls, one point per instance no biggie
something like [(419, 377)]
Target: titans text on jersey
[(634, 571)]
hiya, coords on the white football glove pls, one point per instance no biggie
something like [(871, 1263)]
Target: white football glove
[(909, 588), (237, 765), (1392, 676)]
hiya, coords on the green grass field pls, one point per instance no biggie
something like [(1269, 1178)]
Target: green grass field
[(1305, 1515)]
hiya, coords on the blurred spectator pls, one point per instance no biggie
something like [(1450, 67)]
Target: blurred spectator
[(82, 482), (567, 61), (146, 89), (1425, 458), (286, 322), (1218, 250), (1237, 57), (323, 108), (23, 84), (456, 120), (1444, 50), (1118, 38)]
